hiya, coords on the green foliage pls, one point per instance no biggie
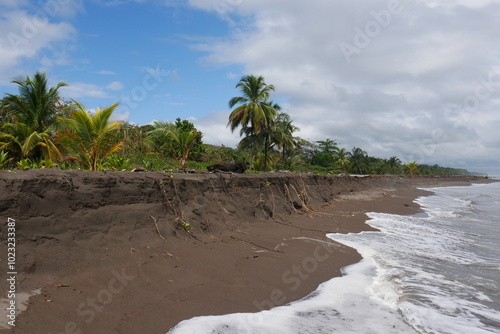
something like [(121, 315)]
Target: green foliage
[(151, 161), (411, 168), (323, 159), (185, 226), (66, 165), (4, 159), (148, 164), (26, 164), (197, 150), (38, 127), (117, 163), (89, 138), (181, 141), (256, 114), (222, 154), (29, 119)]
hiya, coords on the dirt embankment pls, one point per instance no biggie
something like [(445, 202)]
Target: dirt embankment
[(191, 244)]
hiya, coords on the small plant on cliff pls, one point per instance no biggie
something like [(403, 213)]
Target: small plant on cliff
[(185, 226)]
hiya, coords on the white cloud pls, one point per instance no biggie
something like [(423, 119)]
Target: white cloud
[(215, 132), (104, 72), (25, 36), (421, 83), (77, 90), (121, 116), (13, 3), (115, 85)]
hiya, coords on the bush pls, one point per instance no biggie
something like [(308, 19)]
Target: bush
[(4, 159), (118, 163)]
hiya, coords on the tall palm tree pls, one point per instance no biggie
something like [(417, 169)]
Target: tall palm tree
[(255, 112), (29, 117), (91, 138)]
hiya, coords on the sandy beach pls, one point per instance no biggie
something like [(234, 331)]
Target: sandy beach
[(111, 252)]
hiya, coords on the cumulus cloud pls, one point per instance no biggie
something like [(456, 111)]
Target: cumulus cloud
[(25, 36), (418, 79), (115, 85), (77, 90), (106, 72), (215, 132)]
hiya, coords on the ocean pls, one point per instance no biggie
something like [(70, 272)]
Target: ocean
[(434, 272)]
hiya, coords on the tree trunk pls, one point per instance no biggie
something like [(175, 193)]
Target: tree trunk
[(284, 161), (265, 154)]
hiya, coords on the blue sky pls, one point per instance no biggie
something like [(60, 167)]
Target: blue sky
[(419, 79), (142, 54)]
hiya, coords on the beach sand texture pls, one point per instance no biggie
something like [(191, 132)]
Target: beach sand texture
[(124, 252)]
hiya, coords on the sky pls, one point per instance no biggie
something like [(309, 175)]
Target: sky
[(417, 79)]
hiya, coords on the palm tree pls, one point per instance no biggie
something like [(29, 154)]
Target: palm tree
[(255, 113), (29, 118), (37, 104), (343, 161), (19, 139), (177, 142), (411, 167), (283, 135), (181, 144), (358, 159), (91, 138), (394, 164)]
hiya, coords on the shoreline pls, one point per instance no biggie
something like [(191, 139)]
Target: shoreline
[(148, 279)]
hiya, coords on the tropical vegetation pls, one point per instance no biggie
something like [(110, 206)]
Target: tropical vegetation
[(40, 129)]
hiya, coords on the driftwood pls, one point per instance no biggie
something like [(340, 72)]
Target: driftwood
[(235, 168)]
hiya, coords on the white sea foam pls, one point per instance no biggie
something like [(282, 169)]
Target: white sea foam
[(437, 273)]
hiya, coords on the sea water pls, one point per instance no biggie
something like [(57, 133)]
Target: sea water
[(437, 272)]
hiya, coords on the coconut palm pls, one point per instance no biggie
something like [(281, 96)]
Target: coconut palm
[(177, 142), (255, 112), (36, 105), (29, 118), (283, 135), (180, 145), (19, 139), (394, 164), (90, 138), (411, 167), (343, 161), (358, 159)]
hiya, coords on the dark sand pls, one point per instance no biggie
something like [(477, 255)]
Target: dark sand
[(108, 253)]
